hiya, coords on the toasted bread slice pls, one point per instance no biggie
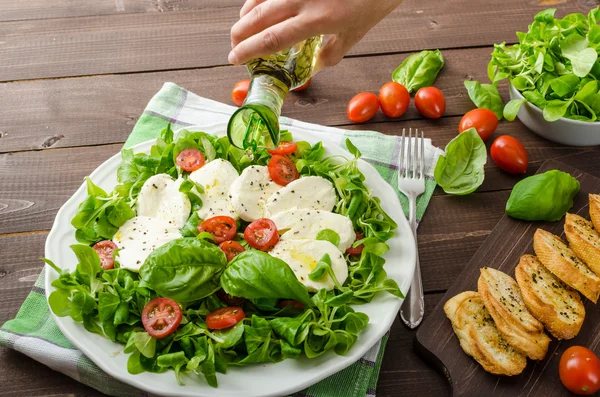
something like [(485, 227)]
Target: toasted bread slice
[(584, 240), (564, 264), (595, 210), (479, 336), (550, 300), (502, 298)]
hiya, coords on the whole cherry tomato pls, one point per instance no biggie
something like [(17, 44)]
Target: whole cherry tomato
[(430, 102), (240, 91), (509, 154), (362, 107), (394, 99), (483, 120), (579, 370)]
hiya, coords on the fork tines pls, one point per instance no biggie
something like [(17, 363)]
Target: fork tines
[(414, 147)]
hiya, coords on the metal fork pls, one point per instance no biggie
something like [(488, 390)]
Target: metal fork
[(411, 182)]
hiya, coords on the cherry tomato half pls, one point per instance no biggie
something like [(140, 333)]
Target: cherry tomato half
[(262, 234), (105, 252), (222, 228), (240, 91), (430, 102), (362, 107), (290, 302), (284, 148), (225, 317), (303, 86), (229, 299), (509, 154), (356, 250), (394, 99), (161, 317), (282, 170), (579, 370), (231, 249), (483, 120), (190, 160)]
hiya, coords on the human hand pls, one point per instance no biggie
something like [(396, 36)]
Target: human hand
[(269, 26)]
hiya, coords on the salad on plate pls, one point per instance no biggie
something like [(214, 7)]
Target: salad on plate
[(206, 256)]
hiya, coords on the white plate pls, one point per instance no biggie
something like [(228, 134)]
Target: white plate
[(277, 379)]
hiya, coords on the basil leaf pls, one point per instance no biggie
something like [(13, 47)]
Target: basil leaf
[(461, 170), (543, 197), (185, 270), (256, 274), (485, 96), (419, 70)]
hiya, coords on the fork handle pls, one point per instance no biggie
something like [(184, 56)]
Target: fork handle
[(413, 307)]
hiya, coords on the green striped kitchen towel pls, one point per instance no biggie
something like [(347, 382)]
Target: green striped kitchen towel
[(34, 332)]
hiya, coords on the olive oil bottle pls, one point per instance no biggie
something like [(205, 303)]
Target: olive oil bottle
[(256, 123)]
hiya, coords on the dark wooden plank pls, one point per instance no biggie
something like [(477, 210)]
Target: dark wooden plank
[(103, 109), (509, 240), (123, 43), (45, 9), (402, 371)]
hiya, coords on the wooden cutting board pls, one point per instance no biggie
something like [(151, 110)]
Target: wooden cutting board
[(436, 342)]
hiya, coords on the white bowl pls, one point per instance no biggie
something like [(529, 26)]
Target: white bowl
[(564, 130)]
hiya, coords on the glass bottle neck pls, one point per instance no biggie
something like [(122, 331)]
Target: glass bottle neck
[(256, 123)]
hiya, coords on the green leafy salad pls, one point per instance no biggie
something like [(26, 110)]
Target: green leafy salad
[(555, 66), (205, 256)]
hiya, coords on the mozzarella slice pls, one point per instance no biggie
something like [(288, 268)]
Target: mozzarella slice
[(311, 192), (215, 178), (303, 255), (139, 236), (299, 224), (250, 192), (160, 198)]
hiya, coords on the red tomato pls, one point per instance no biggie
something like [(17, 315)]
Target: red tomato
[(289, 302), (262, 234), (430, 102), (303, 86), (190, 160), (356, 250), (105, 252), (225, 317), (240, 91), (509, 154), (231, 249), (362, 107), (579, 370), (222, 227), (282, 170), (229, 299), (483, 120), (394, 99), (161, 317), (284, 148)]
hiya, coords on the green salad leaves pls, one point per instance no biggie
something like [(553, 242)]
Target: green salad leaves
[(419, 70), (543, 197), (461, 169), (194, 272), (555, 66)]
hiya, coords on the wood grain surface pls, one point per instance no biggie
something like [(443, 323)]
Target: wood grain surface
[(510, 239), (76, 74)]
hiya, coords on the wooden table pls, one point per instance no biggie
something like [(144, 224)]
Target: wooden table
[(75, 76)]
